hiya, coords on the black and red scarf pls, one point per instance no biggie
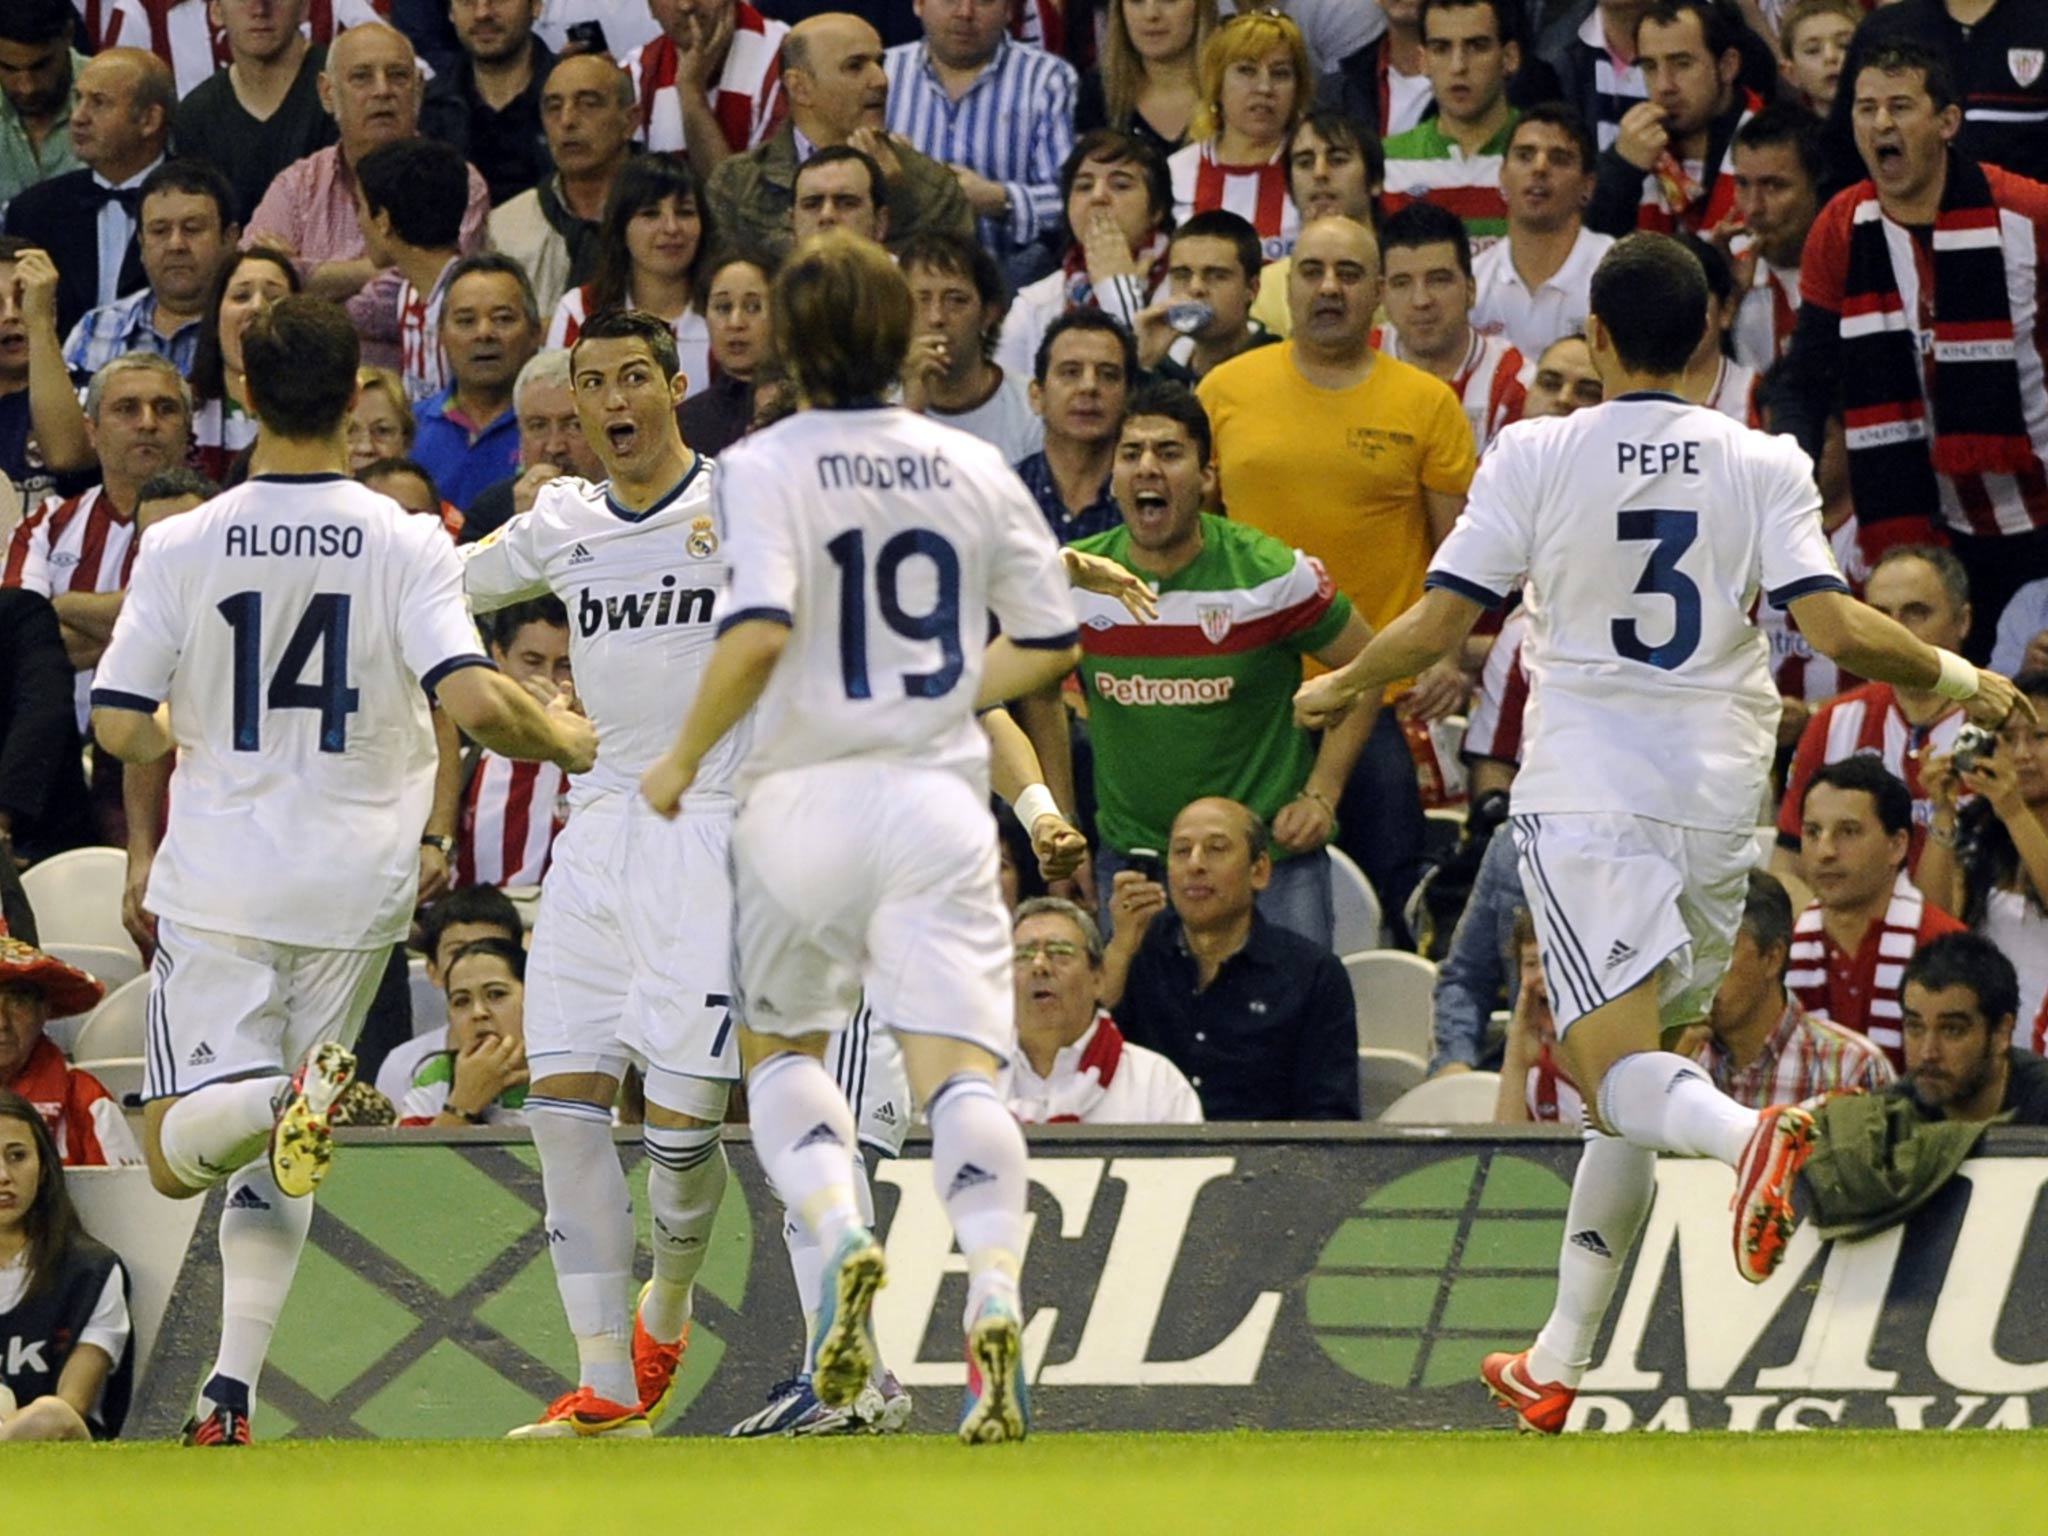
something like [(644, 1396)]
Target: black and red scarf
[(1964, 329)]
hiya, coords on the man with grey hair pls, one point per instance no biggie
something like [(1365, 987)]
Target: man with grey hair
[(490, 326), (551, 445), (1072, 1062)]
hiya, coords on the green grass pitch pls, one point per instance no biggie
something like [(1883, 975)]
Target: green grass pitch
[(1858, 1484)]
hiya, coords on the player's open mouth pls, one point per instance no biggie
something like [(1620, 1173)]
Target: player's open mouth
[(622, 435)]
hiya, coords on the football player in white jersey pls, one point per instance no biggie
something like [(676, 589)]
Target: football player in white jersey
[(1644, 528), (874, 543), (631, 950), (285, 639)]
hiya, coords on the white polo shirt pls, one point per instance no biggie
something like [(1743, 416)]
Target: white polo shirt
[(1558, 307)]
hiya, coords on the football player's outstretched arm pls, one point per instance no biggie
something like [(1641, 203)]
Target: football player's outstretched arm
[(1427, 632), (734, 679), (501, 715), (1015, 773), (1871, 645), (1013, 670)]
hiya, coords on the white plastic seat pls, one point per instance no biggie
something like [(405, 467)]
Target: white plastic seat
[(115, 1028), (77, 898), (1383, 1076), (108, 966), (1394, 994), (119, 1075), (429, 1002), (1356, 905), (1464, 1098)]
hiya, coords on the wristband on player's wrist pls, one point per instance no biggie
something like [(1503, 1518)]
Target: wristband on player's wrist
[(1033, 804), (1958, 679)]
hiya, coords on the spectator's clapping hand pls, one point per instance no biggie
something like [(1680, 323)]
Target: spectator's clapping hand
[(1105, 578), (37, 275)]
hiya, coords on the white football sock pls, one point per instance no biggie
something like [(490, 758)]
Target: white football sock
[(804, 1136), (1610, 1197), (213, 1131), (262, 1233), (807, 1259), (590, 1239), (1665, 1102), (978, 1161), (686, 1172)]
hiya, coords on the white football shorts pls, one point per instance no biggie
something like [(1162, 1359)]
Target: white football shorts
[(864, 876), (224, 1006), (867, 1063), (1618, 899), (631, 955)]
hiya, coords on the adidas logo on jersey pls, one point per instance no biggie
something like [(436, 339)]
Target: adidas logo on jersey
[(201, 1057), (1591, 1242), (246, 1199), (641, 610), (970, 1176), (580, 556), (1621, 954)]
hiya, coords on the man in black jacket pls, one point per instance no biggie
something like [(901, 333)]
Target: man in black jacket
[(44, 808)]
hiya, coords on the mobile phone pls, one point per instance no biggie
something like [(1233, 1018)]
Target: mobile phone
[(1146, 862), (586, 37)]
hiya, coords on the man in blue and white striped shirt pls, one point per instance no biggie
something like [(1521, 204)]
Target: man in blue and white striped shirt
[(1000, 113)]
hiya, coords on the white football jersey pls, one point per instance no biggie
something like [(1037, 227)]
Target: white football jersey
[(296, 625), (640, 589), (1644, 528), (885, 540)]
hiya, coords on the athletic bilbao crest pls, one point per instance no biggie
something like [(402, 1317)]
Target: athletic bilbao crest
[(1216, 620), (2025, 63), (703, 541)]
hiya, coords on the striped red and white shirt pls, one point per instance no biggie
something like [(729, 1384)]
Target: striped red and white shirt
[(509, 821), (1553, 1098), (85, 544), (1495, 727), (1257, 193), (1867, 719), (1804, 1058), (1489, 383), (747, 100), (182, 34), (1769, 311), (1861, 991), (1659, 210), (693, 336), (424, 363), (1734, 393)]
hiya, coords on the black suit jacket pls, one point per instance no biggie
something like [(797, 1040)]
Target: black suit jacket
[(62, 215), (41, 786)]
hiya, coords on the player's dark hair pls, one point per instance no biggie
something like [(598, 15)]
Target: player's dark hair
[(1784, 122), (512, 954), (1112, 146), (841, 317), (50, 1224), (1177, 403), (1954, 575), (170, 484), (644, 182), (423, 184), (1968, 960), (1222, 224), (1904, 56), (1506, 18), (1767, 916), (195, 178), (473, 906), (1651, 294), (501, 265), (1720, 24), (1567, 121), (209, 366), (398, 464), (1720, 275), (655, 333), (36, 21), (1421, 224), (502, 627), (300, 358), (838, 154), (1867, 774), (1093, 321)]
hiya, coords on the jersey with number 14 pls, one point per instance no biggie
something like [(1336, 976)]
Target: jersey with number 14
[(1644, 528), (295, 625), (884, 541)]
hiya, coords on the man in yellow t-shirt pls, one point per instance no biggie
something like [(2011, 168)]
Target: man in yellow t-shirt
[(1362, 461)]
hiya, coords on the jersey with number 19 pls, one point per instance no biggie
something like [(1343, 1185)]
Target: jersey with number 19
[(1643, 530), (864, 852)]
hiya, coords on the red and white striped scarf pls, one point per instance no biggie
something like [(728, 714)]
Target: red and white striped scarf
[(1092, 1074), (747, 100), (1672, 201), (1879, 967)]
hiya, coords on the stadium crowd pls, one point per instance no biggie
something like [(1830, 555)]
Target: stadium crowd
[(1244, 296)]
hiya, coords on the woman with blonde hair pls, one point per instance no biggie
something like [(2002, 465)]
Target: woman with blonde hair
[(1149, 84), (380, 423), (1256, 84)]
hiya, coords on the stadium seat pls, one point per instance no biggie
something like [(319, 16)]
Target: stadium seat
[(115, 1028), (1393, 992), (77, 898), (429, 1002), (109, 966), (1357, 906), (119, 1075), (1465, 1098), (1383, 1076)]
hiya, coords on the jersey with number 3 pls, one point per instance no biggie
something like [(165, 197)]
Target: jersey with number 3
[(884, 540), (295, 625), (1643, 530)]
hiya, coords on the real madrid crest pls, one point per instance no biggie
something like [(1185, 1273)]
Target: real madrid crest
[(703, 539)]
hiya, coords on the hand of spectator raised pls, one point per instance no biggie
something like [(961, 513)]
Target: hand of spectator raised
[(1105, 578), (483, 1073), (1727, 234), (1133, 902), (879, 147), (1305, 823), (701, 50), (927, 359), (1643, 136), (1106, 250), (1941, 783), (1440, 691), (1155, 337), (526, 489), (1059, 846), (1993, 779), (37, 275)]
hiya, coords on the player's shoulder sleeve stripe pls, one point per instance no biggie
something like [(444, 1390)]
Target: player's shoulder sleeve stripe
[(1451, 581), (453, 665), (760, 615), (115, 698), (1792, 591)]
